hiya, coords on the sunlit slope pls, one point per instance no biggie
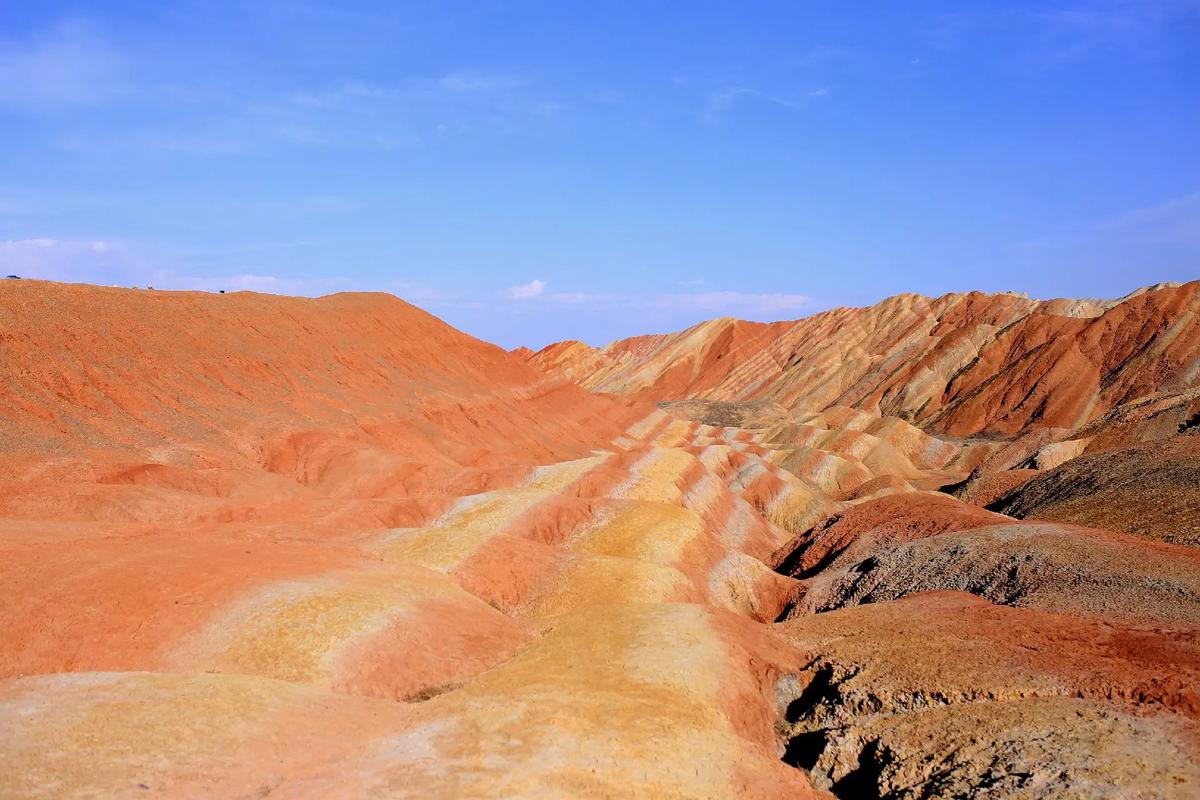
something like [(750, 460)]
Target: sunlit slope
[(275, 547), (243, 376), (961, 364)]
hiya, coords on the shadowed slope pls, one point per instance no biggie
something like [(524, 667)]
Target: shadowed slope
[(1152, 490)]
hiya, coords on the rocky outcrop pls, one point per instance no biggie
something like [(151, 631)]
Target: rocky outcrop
[(1053, 567), (950, 651), (1151, 490), (946, 695)]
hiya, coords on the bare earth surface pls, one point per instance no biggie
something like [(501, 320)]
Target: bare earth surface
[(256, 546)]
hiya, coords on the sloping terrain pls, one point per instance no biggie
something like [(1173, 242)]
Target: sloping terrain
[(255, 546), (947, 695), (1073, 424), (961, 365), (1151, 489)]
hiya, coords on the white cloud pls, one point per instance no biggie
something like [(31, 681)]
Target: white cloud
[(59, 259), (726, 302), (526, 291), (251, 282), (712, 302), (723, 101), (114, 263), (726, 98)]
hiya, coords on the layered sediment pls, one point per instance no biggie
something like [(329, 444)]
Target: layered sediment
[(255, 546)]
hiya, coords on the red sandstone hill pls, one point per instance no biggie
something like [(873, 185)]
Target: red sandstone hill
[(961, 364), (265, 546), (254, 544), (234, 375)]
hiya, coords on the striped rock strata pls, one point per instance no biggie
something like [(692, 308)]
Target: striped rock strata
[(961, 364), (272, 547)]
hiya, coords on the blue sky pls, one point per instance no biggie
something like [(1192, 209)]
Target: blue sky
[(538, 171)]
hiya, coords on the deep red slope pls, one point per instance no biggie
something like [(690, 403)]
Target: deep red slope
[(229, 376)]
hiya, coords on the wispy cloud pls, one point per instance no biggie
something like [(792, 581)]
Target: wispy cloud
[(203, 138), (249, 248), (1052, 35), (1143, 245), (108, 262), (388, 116), (712, 302), (476, 81), (1071, 34), (251, 282), (69, 67), (74, 67), (75, 261), (822, 55), (117, 263), (526, 291), (723, 101), (411, 89), (32, 252), (432, 297), (730, 302), (1175, 221)]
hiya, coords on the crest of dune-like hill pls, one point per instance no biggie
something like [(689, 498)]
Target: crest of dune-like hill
[(256, 379)]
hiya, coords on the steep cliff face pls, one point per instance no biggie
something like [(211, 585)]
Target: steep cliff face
[(961, 365)]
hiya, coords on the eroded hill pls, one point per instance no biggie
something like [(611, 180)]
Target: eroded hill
[(256, 546), (962, 364)]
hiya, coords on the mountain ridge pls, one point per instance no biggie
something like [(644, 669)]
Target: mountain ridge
[(963, 364)]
